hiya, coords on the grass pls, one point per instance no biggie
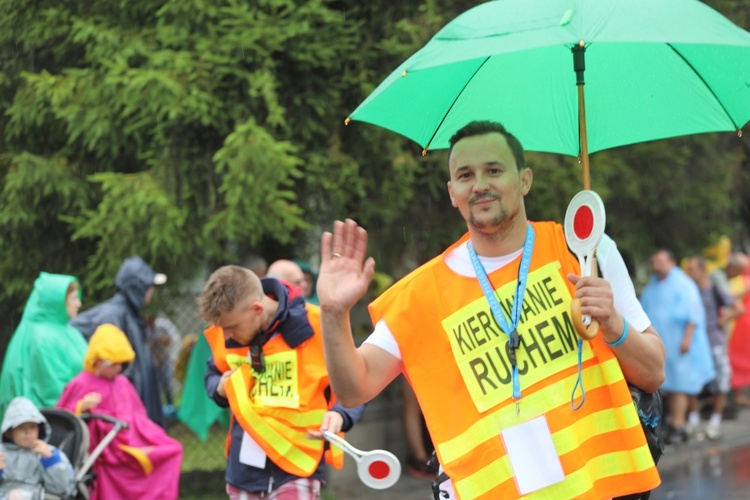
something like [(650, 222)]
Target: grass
[(200, 455), (203, 463)]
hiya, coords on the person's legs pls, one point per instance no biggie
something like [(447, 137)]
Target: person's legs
[(234, 493), (413, 430), (693, 418), (678, 405), (723, 379), (299, 489), (713, 429)]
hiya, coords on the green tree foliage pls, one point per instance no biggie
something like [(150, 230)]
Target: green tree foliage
[(194, 131)]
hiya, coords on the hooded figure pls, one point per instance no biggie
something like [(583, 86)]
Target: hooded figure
[(132, 284), (24, 462), (45, 353), (142, 461), (310, 293)]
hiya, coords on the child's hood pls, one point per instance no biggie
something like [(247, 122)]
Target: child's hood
[(22, 410)]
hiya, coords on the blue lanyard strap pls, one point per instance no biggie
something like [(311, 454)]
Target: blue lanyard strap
[(510, 329)]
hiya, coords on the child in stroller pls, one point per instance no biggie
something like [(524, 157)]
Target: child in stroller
[(28, 462), (70, 433)]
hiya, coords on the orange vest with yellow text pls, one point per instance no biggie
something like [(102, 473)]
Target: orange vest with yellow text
[(455, 359), (277, 408)]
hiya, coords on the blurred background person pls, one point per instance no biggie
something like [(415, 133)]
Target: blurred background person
[(287, 270), (720, 307), (164, 340), (309, 287), (142, 461), (134, 287), (45, 352), (672, 301), (256, 264), (418, 443), (738, 273)]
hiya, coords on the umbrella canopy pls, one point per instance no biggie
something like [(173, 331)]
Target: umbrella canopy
[(653, 69)]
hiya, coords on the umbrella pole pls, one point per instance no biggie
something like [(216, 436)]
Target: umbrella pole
[(579, 65), (584, 141)]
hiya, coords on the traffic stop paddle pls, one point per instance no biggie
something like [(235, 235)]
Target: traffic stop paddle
[(378, 469), (584, 227)]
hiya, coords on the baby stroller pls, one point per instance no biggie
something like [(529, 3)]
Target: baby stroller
[(71, 435)]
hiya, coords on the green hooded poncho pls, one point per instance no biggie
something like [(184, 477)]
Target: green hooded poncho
[(45, 353)]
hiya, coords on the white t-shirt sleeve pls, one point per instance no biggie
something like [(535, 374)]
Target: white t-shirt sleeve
[(614, 270), (383, 338)]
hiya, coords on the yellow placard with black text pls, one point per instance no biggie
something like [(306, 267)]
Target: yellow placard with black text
[(548, 338), (278, 385)]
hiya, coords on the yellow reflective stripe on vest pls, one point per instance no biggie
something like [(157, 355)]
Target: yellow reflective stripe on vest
[(533, 405), (236, 360), (565, 441), (296, 438), (610, 464), (305, 419), (283, 441), (601, 422), (485, 479), (577, 483)]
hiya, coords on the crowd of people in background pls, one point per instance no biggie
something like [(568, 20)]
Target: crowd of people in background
[(97, 361), (702, 315)]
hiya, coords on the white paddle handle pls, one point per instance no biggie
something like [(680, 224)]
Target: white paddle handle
[(585, 262), (341, 443)]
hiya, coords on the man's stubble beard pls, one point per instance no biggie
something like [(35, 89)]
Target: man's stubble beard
[(498, 226)]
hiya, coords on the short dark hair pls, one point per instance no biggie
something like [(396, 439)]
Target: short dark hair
[(670, 253), (700, 261), (483, 127)]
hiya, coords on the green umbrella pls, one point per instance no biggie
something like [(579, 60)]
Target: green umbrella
[(653, 69)]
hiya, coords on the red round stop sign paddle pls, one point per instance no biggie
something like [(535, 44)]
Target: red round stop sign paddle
[(584, 227), (378, 469)]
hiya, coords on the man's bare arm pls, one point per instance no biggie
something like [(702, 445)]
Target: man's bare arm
[(357, 375)]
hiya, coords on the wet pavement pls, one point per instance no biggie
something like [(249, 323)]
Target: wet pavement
[(715, 475), (699, 469)]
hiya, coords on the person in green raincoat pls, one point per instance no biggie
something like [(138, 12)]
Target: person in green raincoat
[(45, 352)]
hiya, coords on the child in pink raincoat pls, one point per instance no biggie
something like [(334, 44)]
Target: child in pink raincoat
[(142, 462)]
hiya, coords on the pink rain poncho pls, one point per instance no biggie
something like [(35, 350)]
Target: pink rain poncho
[(142, 462)]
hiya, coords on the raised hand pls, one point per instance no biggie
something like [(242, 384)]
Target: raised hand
[(345, 272)]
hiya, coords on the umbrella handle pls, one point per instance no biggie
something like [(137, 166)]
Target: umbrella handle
[(586, 327), (586, 332)]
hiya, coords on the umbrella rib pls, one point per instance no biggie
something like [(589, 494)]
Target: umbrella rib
[(445, 115), (692, 68)]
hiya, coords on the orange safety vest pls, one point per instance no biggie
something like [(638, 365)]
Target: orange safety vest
[(454, 357), (277, 408)]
